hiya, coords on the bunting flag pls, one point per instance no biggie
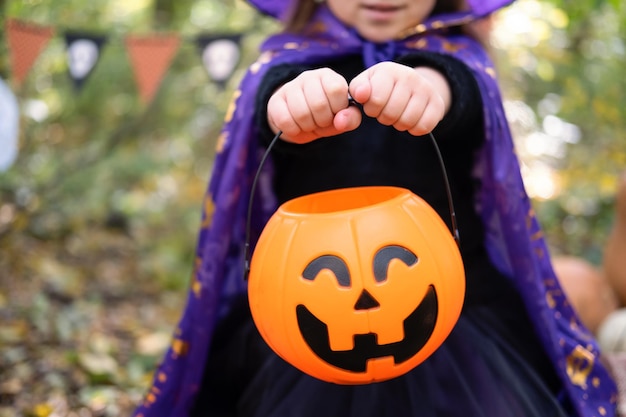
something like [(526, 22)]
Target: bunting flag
[(220, 56), (150, 55), (83, 53), (150, 58), (26, 41)]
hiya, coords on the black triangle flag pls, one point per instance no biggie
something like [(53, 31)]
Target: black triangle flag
[(220, 55), (83, 53)]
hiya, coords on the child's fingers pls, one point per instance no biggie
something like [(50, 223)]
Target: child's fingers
[(344, 121), (431, 115), (279, 116), (298, 107), (412, 111), (335, 89), (347, 119), (382, 81), (318, 103), (373, 87), (396, 95), (313, 105), (360, 88), (397, 107)]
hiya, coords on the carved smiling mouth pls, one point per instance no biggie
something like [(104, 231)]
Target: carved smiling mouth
[(418, 327)]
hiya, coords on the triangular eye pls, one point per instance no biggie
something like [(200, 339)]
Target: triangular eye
[(366, 301), (386, 254)]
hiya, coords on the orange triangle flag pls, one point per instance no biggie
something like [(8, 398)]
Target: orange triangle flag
[(150, 58), (25, 42)]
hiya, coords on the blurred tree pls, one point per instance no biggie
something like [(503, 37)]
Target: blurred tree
[(98, 154), (562, 61)]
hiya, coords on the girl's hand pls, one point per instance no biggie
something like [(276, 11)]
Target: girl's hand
[(409, 99), (313, 105)]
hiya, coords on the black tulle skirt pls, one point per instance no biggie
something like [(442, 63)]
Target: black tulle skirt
[(491, 365)]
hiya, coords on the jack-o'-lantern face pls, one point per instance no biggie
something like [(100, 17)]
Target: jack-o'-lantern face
[(362, 288), (413, 330)]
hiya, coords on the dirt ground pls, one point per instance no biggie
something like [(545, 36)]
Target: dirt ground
[(82, 328)]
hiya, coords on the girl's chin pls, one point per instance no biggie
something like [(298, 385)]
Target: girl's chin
[(378, 36)]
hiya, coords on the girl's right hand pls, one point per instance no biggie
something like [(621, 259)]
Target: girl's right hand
[(313, 105)]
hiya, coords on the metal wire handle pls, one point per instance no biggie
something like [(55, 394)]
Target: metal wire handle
[(453, 224)]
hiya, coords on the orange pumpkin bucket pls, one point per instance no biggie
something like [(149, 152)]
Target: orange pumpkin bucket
[(356, 285)]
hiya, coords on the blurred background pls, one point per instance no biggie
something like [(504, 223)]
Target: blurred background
[(103, 169)]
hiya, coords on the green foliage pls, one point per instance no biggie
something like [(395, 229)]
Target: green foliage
[(87, 156), (573, 73)]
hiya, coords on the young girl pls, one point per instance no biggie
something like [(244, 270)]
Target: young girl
[(517, 350)]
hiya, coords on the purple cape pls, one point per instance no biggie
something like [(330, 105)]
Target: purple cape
[(513, 237)]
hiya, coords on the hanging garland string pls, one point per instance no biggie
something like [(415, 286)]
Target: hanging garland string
[(150, 55)]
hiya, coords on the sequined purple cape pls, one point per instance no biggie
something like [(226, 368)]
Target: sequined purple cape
[(514, 239)]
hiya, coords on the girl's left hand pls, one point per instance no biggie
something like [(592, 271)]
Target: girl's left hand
[(409, 99)]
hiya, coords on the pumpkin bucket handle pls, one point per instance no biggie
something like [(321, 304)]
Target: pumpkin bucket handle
[(454, 227)]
